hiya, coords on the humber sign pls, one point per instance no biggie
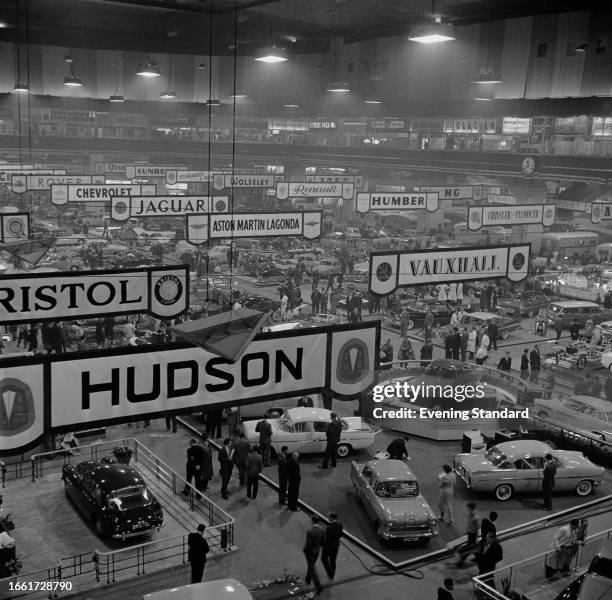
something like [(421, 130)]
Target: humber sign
[(377, 201), (160, 291), (391, 270)]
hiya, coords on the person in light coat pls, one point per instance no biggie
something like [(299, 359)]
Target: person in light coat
[(471, 345)]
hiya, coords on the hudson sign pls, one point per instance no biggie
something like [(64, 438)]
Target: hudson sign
[(391, 270), (119, 385), (160, 291)]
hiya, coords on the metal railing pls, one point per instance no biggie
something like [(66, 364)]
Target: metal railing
[(529, 577), (85, 570)]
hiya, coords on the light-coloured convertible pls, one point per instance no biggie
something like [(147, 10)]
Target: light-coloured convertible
[(515, 467)]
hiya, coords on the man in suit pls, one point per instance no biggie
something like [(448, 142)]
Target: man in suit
[(226, 462), (397, 448), (525, 364), (505, 362), (331, 545), (254, 467), (195, 459), (444, 593), (315, 538), (283, 457), (265, 440), (333, 431), (493, 331), (314, 299), (294, 478), (488, 525), (548, 481), (241, 453), (534, 363), (207, 462), (198, 549), (489, 555)]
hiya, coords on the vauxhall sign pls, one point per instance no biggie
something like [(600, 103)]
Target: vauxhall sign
[(376, 201), (160, 291), (391, 270), (118, 385), (61, 194)]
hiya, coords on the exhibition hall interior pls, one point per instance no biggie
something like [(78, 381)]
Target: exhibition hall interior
[(305, 299)]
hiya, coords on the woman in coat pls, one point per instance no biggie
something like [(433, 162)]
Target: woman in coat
[(471, 345)]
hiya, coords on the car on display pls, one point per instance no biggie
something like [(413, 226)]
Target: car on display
[(441, 311), (131, 260), (516, 467), (328, 266), (303, 430), (218, 589), (271, 277), (505, 325), (579, 311), (259, 303), (389, 492), (285, 265), (114, 497), (596, 582), (585, 413), (527, 304)]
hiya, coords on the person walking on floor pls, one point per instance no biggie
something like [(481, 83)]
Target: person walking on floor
[(488, 524), (207, 462), (525, 364), (472, 531), (254, 467), (493, 331), (446, 494), (534, 364), (282, 459), (505, 363), (548, 481), (196, 554), (333, 431), (404, 319), (242, 448), (195, 458), (444, 593), (315, 538), (464, 344), (265, 440), (226, 462), (294, 478), (331, 545), (565, 545), (471, 344), (489, 554)]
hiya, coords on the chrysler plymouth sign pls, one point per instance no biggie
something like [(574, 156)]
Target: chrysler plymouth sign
[(160, 291), (521, 214), (375, 201), (165, 206), (201, 228), (392, 270)]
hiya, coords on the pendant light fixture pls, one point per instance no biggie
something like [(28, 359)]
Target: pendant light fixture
[(148, 69), (72, 79), (434, 32), (338, 87), (271, 54)]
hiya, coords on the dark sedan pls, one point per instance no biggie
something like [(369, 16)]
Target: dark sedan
[(441, 311), (114, 497), (527, 304), (259, 303)]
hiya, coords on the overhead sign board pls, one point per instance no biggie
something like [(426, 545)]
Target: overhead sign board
[(136, 171), (392, 270), (201, 228), (306, 189), (355, 179), (522, 214), (21, 183), (6, 176), (165, 206), (221, 181), (377, 201), (601, 211), (186, 176), (457, 192), (575, 205), (61, 194), (101, 168), (14, 226), (31, 297)]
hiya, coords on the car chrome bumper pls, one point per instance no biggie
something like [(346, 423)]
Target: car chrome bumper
[(403, 534)]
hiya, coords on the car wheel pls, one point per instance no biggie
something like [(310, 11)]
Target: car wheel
[(584, 487), (529, 314), (504, 335), (504, 492), (99, 525), (343, 450), (274, 413)]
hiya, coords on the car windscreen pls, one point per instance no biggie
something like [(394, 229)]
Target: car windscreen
[(131, 497), (285, 424), (601, 566), (397, 489)]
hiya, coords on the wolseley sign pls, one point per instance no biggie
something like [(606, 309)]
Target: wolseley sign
[(522, 214), (165, 206), (61, 194), (201, 228), (392, 270), (376, 201), (221, 181), (14, 226), (119, 385), (21, 183), (457, 192), (160, 291), (305, 189), (601, 211)]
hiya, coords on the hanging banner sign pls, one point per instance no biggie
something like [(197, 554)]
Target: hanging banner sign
[(375, 201), (136, 171), (14, 226), (392, 270), (201, 228), (221, 181), (21, 183), (501, 199), (7, 167), (174, 176), (160, 291), (357, 180), (304, 189), (61, 194), (101, 168), (6, 177), (165, 206), (574, 205), (523, 214), (601, 211), (458, 192)]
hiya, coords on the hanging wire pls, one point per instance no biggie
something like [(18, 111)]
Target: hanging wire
[(18, 49), (210, 62), (27, 32)]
